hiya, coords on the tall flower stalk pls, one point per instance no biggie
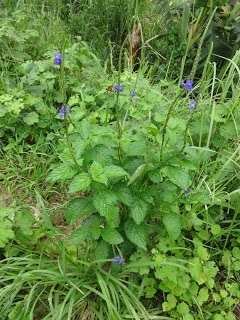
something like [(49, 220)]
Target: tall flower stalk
[(64, 110)]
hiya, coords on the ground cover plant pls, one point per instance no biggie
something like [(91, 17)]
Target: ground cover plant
[(120, 188)]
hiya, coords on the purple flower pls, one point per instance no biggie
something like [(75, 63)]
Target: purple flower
[(133, 94), (192, 105), (64, 110), (187, 191), (188, 85), (118, 88), (58, 59), (118, 260)]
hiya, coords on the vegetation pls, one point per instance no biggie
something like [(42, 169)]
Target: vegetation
[(119, 163)]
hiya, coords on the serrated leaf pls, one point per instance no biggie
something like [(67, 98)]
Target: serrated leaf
[(94, 222), (6, 232), (136, 233), (96, 230), (79, 146), (102, 250), (124, 194), (172, 223), (169, 192), (79, 235), (106, 203), (155, 176), (25, 220), (137, 148), (31, 118), (77, 208), (177, 176), (115, 172), (202, 197), (64, 171), (138, 173), (102, 155), (66, 156), (139, 210), (98, 174), (83, 128), (6, 225), (80, 182), (6, 212), (111, 236)]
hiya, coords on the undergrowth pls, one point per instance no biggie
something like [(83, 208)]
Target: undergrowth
[(120, 189)]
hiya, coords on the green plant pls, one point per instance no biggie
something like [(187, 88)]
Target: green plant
[(55, 288), (109, 21), (174, 33), (56, 280), (144, 172), (148, 171), (119, 173), (30, 105)]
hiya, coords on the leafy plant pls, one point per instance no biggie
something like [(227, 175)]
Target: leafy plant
[(147, 169), (57, 281), (6, 232)]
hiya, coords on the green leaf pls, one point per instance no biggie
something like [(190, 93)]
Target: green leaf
[(172, 302), (229, 131), (111, 236), (96, 229), (66, 156), (31, 118), (138, 173), (202, 253), (6, 225), (221, 112), (139, 210), (196, 270), (102, 155), (115, 172), (136, 233), (124, 194), (81, 182), (98, 174), (64, 171), (94, 222), (102, 250), (169, 192), (79, 146), (202, 296), (25, 220), (172, 223), (136, 148), (106, 203), (79, 235), (82, 128), (6, 232), (177, 176), (155, 176), (77, 208)]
